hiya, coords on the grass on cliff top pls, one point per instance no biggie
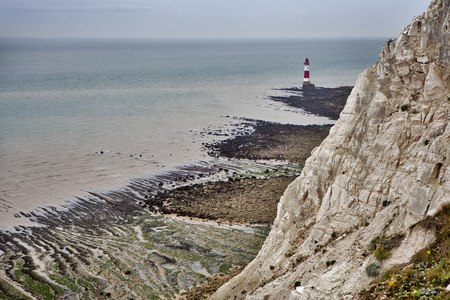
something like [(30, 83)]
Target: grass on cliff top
[(427, 276)]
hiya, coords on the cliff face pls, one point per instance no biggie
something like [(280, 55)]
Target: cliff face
[(383, 167)]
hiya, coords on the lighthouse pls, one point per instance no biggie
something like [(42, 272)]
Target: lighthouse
[(306, 82)]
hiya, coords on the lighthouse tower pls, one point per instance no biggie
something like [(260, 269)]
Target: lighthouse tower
[(306, 82)]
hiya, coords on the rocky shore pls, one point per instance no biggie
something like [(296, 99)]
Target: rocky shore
[(126, 242), (285, 142), (326, 102), (252, 199)]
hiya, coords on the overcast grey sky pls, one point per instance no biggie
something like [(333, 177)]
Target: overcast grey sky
[(207, 18)]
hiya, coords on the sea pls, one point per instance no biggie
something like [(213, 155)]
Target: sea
[(89, 115)]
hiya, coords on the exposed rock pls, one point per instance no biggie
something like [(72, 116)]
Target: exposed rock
[(327, 102), (382, 169), (293, 143)]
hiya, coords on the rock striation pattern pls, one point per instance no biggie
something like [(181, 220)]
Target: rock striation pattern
[(383, 168), (107, 246)]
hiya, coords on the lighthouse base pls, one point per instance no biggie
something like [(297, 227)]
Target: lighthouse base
[(308, 86)]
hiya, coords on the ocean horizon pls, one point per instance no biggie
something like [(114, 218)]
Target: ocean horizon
[(89, 115)]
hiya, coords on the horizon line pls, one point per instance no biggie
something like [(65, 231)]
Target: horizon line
[(194, 38)]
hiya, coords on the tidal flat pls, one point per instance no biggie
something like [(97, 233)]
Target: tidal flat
[(114, 245), (159, 237)]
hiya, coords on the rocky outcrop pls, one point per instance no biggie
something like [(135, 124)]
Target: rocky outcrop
[(382, 169)]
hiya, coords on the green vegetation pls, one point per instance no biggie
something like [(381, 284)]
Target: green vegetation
[(428, 275), (404, 107), (167, 250), (224, 268), (381, 253), (36, 287), (381, 246), (8, 292), (372, 270)]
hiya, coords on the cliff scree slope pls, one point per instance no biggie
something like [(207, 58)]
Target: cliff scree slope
[(382, 169)]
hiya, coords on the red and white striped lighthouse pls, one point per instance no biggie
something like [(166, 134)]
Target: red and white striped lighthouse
[(306, 76), (306, 81)]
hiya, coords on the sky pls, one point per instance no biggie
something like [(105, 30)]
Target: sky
[(207, 18)]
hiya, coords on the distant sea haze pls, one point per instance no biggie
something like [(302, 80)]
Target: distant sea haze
[(89, 115)]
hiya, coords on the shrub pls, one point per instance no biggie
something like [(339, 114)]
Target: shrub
[(420, 256), (372, 270), (388, 244), (272, 267), (297, 283), (243, 292), (404, 107), (427, 142), (381, 253), (331, 262), (390, 273), (299, 259), (373, 244), (433, 275)]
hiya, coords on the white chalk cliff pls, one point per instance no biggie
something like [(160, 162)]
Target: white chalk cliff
[(383, 167)]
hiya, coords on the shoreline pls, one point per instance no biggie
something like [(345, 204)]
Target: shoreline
[(223, 201), (147, 218)]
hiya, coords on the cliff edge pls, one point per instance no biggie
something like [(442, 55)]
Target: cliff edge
[(382, 169)]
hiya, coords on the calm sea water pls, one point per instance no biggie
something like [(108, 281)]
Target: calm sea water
[(142, 103)]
